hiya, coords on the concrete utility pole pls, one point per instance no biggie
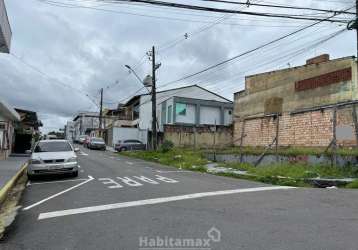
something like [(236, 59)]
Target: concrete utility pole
[(154, 103), (100, 113)]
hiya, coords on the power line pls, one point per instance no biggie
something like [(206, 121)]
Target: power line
[(49, 77), (248, 3), (244, 53), (218, 10)]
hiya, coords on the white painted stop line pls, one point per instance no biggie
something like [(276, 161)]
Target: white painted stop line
[(82, 210)]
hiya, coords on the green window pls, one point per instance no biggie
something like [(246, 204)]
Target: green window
[(169, 114), (180, 109)]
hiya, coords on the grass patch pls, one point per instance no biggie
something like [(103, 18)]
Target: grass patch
[(177, 157), (353, 184), (288, 151), (278, 174), (297, 170)]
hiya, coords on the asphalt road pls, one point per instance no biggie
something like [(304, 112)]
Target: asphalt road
[(122, 203)]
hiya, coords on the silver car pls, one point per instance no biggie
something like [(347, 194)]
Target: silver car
[(53, 157), (96, 143)]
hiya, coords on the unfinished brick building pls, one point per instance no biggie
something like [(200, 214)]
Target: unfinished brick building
[(305, 98)]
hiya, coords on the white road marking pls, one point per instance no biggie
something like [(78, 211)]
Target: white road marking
[(166, 179), (90, 178), (129, 163), (145, 179), (106, 181), (50, 182), (83, 153), (82, 210), (130, 182), (112, 157)]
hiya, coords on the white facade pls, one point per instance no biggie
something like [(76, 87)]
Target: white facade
[(193, 92), (210, 115), (84, 122), (70, 131), (119, 133), (7, 118)]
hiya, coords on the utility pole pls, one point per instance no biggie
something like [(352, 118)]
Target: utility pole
[(154, 103), (100, 114)]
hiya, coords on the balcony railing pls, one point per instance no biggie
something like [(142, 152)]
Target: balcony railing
[(5, 30)]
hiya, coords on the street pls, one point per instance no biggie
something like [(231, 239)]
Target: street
[(66, 213)]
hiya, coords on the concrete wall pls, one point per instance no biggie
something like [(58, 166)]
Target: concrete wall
[(278, 92), (263, 88), (198, 136), (118, 133)]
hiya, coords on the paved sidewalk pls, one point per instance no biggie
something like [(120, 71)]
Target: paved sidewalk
[(9, 168)]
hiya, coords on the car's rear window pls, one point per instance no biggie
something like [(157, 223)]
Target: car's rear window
[(52, 147), (97, 140)]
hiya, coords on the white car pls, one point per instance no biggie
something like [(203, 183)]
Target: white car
[(53, 157)]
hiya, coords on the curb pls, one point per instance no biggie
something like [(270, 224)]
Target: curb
[(10, 184)]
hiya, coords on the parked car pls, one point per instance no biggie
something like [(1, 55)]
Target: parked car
[(52, 157), (129, 145), (82, 138), (96, 143), (86, 141)]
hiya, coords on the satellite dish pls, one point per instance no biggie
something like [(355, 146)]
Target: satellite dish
[(148, 81)]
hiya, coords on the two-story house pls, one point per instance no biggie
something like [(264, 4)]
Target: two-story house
[(189, 105)]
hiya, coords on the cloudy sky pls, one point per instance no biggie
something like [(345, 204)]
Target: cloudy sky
[(64, 50)]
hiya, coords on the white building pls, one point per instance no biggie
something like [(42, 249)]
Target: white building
[(5, 30), (190, 105), (8, 116), (84, 123), (70, 131)]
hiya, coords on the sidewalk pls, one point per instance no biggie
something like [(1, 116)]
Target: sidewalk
[(9, 168)]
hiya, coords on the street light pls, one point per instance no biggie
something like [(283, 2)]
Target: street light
[(132, 70)]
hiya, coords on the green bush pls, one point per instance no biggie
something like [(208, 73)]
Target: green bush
[(166, 146)]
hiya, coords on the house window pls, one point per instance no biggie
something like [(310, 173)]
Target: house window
[(180, 109), (230, 112), (169, 114)]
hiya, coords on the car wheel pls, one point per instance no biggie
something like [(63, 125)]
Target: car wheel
[(75, 174), (123, 149), (30, 177)]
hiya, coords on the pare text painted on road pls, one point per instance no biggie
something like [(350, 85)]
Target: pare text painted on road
[(135, 181)]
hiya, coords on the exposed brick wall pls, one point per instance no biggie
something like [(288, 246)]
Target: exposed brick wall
[(307, 129)]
